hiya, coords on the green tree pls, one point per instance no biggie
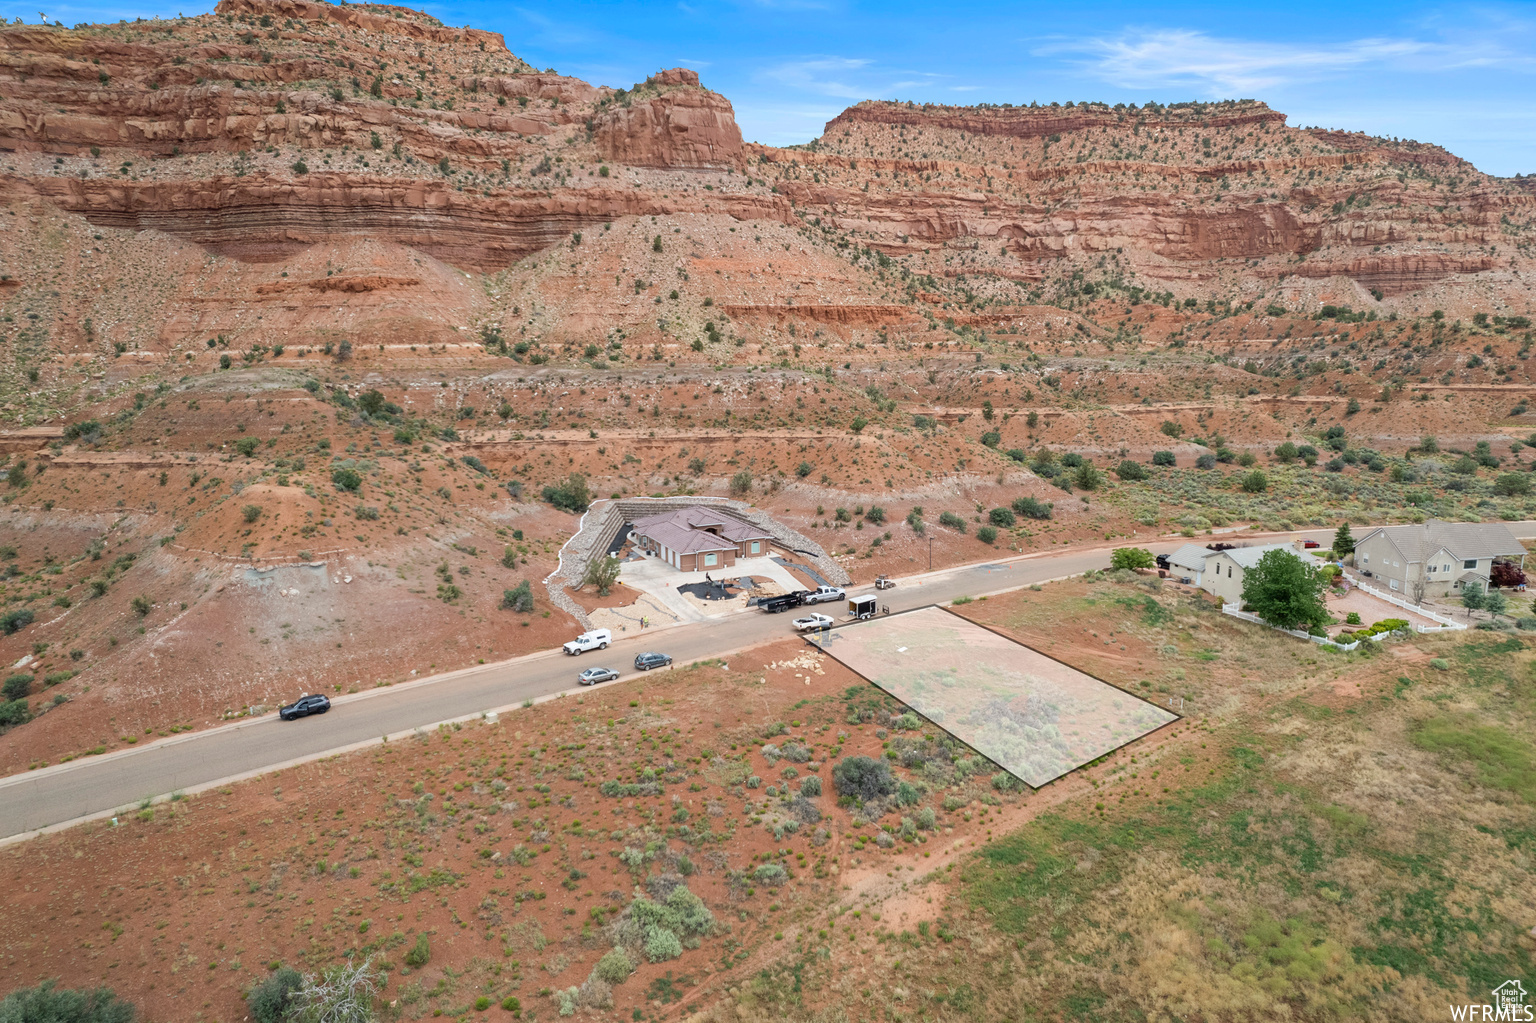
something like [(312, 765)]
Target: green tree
[(1495, 603), (1131, 557), (1287, 453), (1087, 477), (602, 572), (1255, 482), (247, 446), (1001, 517), (346, 479), (1129, 470), (741, 483), (1285, 591), (372, 402), (1343, 541), (1473, 598)]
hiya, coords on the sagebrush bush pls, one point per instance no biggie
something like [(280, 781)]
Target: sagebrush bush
[(615, 966), (863, 778)]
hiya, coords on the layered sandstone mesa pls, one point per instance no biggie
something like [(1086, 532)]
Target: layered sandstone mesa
[(669, 120)]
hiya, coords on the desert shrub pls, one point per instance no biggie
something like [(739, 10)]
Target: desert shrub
[(566, 999), (346, 479), (49, 1004), (1130, 470), (663, 926), (1002, 517), (876, 514), (811, 786), (1163, 458), (15, 620), (1087, 477), (741, 483), (251, 513), (753, 781), (614, 967), (1352, 618), (1206, 461), (474, 463), (270, 1001), (907, 794), (770, 874), (14, 712), (953, 521), (1030, 508), (987, 534), (1005, 782), (519, 598), (247, 446), (926, 818), (1525, 624), (17, 687), (366, 512), (420, 953), (1072, 460), (571, 495), (863, 778), (1255, 482)]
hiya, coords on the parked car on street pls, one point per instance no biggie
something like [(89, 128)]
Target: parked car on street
[(592, 676), (813, 623), (647, 661), (822, 594), (315, 703), (1310, 544), (783, 602), (597, 639)]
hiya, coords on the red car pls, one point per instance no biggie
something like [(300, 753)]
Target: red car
[(1309, 544)]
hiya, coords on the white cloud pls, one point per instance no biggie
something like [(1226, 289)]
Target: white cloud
[(1230, 66)]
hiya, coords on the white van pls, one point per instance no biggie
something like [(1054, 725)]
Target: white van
[(597, 639)]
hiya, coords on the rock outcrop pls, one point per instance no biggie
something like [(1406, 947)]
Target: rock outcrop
[(670, 121)]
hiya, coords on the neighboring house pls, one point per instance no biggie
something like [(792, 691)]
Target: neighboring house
[(697, 539), (1188, 562), (1434, 558), (1225, 570)]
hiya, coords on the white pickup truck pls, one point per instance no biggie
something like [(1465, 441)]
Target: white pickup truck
[(822, 594), (597, 639)]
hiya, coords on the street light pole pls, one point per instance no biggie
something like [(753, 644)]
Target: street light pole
[(930, 554)]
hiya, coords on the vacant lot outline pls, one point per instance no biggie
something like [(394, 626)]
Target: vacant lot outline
[(1029, 713)]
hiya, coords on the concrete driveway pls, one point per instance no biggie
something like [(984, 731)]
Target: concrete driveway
[(661, 580)]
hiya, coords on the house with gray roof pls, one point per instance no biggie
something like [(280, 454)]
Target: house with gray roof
[(699, 538), (1225, 570), (1434, 558), (1188, 562)]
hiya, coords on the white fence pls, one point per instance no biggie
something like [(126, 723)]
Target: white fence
[(1446, 624), (1235, 612)]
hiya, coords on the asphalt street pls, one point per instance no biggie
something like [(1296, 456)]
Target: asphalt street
[(100, 786)]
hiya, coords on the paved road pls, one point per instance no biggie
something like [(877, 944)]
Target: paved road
[(99, 786)]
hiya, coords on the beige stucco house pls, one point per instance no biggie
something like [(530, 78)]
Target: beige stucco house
[(1434, 558)]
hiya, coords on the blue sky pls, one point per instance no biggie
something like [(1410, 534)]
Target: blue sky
[(1461, 75)]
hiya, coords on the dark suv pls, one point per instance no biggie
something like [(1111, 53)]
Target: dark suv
[(645, 662), (317, 703)]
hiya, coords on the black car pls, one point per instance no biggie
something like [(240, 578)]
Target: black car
[(645, 662), (318, 703)]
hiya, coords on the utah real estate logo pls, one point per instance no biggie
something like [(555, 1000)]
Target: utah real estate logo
[(1509, 1003)]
